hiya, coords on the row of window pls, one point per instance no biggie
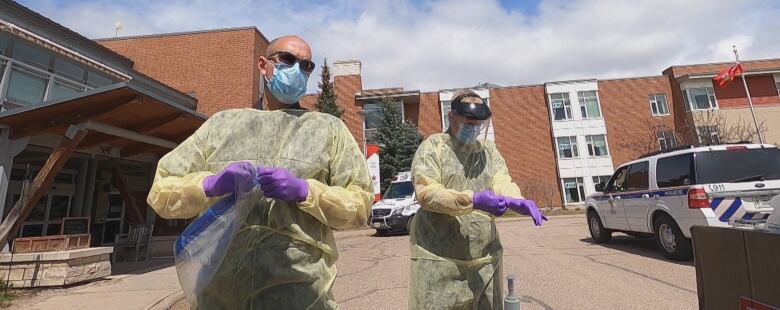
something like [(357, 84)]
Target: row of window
[(567, 146), (30, 74), (589, 105)]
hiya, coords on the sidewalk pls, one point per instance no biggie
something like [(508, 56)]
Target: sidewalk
[(144, 288)]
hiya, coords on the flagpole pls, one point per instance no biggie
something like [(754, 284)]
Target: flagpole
[(750, 100)]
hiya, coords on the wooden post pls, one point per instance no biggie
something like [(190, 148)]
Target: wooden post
[(40, 184), (127, 196)]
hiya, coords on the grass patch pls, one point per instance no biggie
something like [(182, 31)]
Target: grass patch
[(6, 293)]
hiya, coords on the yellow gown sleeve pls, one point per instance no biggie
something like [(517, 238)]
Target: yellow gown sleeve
[(432, 195), (346, 201), (502, 182), (177, 191)]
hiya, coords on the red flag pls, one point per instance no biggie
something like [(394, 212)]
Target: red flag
[(728, 75)]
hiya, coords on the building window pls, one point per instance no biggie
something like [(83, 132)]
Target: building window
[(371, 118), (68, 70), (561, 106), (95, 79), (708, 135), (666, 140), (26, 87), (574, 190), (371, 113), (601, 179), (658, 104), (567, 147), (31, 55), (777, 85), (445, 112), (589, 104), (4, 42), (597, 145), (700, 99)]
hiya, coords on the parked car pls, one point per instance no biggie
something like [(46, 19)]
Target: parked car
[(394, 212), (668, 193)]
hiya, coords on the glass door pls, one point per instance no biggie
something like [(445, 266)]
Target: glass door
[(114, 222)]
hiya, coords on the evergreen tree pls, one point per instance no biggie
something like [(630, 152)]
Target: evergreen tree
[(398, 141), (326, 101)]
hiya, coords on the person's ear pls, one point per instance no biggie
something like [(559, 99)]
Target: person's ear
[(263, 65)]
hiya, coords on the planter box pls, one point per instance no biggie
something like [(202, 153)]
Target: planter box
[(59, 268), (50, 243)]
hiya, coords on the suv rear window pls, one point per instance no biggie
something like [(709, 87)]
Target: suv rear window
[(675, 171), (738, 165)]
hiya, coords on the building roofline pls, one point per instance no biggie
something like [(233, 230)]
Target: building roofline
[(184, 33), (571, 81), (87, 41), (634, 78), (521, 86), (722, 63)]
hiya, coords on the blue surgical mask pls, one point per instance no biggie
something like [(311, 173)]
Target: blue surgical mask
[(469, 134), (288, 83)]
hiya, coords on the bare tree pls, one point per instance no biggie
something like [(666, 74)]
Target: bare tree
[(713, 127), (545, 194), (646, 140)]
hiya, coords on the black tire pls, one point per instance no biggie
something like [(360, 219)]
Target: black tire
[(381, 232), (597, 230), (670, 239)]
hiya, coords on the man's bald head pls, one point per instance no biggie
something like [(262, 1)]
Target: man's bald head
[(292, 44)]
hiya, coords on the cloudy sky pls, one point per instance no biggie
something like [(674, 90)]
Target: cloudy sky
[(430, 45)]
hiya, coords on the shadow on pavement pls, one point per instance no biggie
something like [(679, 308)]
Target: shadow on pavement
[(644, 246), (141, 267)]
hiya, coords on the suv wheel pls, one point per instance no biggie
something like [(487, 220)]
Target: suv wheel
[(597, 230), (671, 241)]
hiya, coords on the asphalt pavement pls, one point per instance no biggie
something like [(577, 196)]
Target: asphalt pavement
[(556, 266)]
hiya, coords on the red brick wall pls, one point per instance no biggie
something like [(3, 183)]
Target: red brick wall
[(308, 102), (524, 138), (429, 114), (762, 90), (220, 66), (346, 87), (628, 116)]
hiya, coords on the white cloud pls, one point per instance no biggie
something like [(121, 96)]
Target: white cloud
[(430, 45)]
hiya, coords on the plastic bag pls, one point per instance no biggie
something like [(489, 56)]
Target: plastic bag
[(201, 248)]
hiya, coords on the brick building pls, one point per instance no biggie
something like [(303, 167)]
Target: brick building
[(217, 67), (559, 138)]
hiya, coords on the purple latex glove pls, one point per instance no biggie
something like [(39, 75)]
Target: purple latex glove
[(489, 202), (278, 183), (235, 175), (527, 207)]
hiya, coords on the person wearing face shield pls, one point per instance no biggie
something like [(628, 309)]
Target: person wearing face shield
[(313, 179), (462, 184)]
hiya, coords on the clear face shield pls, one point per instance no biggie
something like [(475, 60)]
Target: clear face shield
[(468, 131), (469, 121)]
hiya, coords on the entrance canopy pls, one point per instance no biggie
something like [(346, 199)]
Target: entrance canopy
[(128, 115), (122, 115)]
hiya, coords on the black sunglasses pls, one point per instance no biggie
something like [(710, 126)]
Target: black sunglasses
[(290, 59)]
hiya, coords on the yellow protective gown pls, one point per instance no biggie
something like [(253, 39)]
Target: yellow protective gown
[(284, 255), (455, 249)]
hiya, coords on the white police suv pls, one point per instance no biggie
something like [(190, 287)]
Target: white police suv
[(665, 194), (397, 207)]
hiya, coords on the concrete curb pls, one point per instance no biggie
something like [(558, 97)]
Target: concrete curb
[(168, 302)]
